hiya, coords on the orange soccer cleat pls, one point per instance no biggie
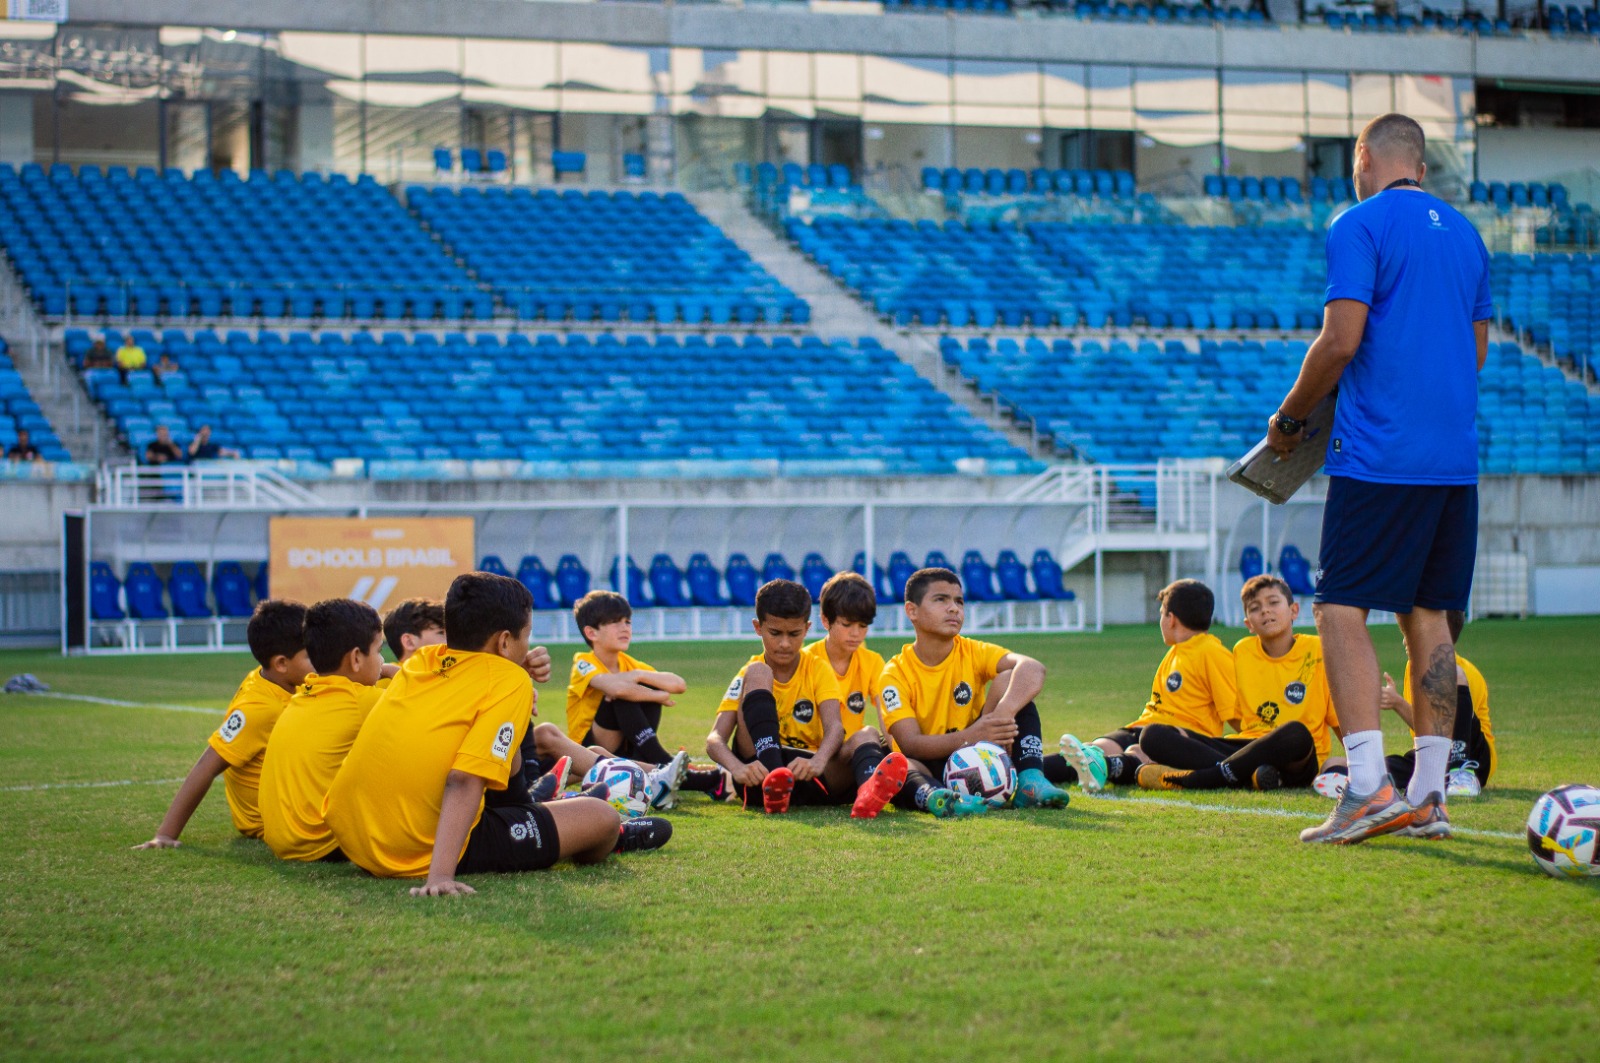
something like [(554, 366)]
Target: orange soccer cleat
[(775, 790)]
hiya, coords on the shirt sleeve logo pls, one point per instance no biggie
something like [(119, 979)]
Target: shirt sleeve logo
[(734, 689), (1295, 692), (583, 668), (963, 695), (857, 703), (231, 726), (503, 739), (1174, 681), (803, 711)]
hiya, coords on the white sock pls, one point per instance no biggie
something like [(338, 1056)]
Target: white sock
[(1364, 749), (1433, 756)]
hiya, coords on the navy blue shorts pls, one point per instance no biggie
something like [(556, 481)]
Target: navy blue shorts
[(1398, 546)]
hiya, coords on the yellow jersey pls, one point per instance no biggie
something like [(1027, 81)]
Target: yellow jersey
[(945, 697), (860, 686), (1276, 690), (1478, 687), (308, 745), (800, 700), (448, 710), (241, 742), (583, 703), (1193, 687)]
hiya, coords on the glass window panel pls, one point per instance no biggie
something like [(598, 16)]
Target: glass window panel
[(1287, 125), (838, 78), (916, 113), (509, 64), (790, 107), (349, 142), (1263, 92), (1370, 96), (1111, 87), (124, 57), (516, 99), (1016, 117), (1181, 130), (1001, 84), (903, 150), (319, 56), (609, 68), (1066, 117), (607, 102), (709, 72), (402, 94), (1006, 149), (1175, 89), (1110, 118), (891, 81), (1321, 125), (1065, 85), (102, 129), (1430, 99), (27, 55), (416, 58), (788, 74), (401, 139), (1168, 169), (839, 108), (1328, 94)]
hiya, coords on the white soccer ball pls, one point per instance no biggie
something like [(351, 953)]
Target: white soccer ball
[(983, 770), (1564, 832), (627, 787)]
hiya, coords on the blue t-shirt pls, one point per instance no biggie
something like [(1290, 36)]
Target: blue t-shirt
[(1408, 401)]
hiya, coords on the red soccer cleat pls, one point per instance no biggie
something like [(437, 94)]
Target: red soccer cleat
[(887, 779), (775, 790)]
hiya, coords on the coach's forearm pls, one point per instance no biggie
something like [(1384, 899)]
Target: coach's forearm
[(1319, 374)]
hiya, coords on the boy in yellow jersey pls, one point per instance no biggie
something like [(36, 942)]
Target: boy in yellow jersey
[(410, 799), (1194, 688), (849, 606), (1472, 749), (413, 624), (1284, 715), (944, 692), (344, 639), (779, 725), (614, 702), (236, 749)]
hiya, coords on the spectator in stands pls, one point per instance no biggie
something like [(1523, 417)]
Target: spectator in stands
[(99, 356), (162, 450), (166, 365), (130, 356), (23, 449), (201, 448)]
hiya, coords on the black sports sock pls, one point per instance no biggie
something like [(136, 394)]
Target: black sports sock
[(1122, 770), (759, 715), (704, 781), (865, 760), (1281, 748), (1058, 770), (913, 796), (1028, 752), (638, 722)]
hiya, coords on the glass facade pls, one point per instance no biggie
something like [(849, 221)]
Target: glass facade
[(193, 97)]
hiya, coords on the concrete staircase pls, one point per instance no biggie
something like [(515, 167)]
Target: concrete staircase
[(78, 422), (836, 312)]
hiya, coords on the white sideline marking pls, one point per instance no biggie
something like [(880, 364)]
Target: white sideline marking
[(83, 785), (91, 699), (1280, 813)]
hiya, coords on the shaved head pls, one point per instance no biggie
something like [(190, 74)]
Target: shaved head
[(1395, 140)]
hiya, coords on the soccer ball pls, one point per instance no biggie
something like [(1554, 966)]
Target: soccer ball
[(1564, 832), (983, 770), (627, 787)]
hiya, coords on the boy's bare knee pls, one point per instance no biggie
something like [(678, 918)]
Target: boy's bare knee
[(757, 676), (863, 737)]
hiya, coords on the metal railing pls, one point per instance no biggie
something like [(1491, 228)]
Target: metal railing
[(221, 485), (1171, 496)]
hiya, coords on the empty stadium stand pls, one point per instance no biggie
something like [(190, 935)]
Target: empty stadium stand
[(210, 246), (1093, 397), (604, 256), (850, 406)]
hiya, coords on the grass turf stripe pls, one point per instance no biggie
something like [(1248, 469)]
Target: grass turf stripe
[(1281, 813), (92, 700), (83, 785)]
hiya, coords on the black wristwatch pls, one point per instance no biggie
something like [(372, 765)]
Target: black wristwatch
[(1287, 425)]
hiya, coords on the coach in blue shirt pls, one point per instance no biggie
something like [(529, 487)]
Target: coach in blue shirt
[(1405, 330)]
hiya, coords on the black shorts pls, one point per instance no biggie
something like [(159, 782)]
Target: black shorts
[(809, 792), (1397, 546), (518, 837), (1404, 765), (1124, 737)]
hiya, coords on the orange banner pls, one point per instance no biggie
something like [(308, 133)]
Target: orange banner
[(375, 560)]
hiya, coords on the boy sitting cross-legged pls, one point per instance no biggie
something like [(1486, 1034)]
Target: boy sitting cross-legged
[(945, 691), (409, 800), (236, 749), (344, 639), (1284, 714), (778, 729), (1194, 688), (614, 702), (849, 606)]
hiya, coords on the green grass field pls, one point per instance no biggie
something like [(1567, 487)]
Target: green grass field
[(1128, 927)]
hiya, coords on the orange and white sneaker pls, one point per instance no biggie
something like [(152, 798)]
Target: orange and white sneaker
[(887, 779), (1428, 819), (1358, 817), (775, 790)]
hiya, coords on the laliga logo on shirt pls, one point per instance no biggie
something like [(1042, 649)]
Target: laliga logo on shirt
[(891, 698), (963, 695), (502, 740), (583, 668), (804, 711), (231, 726), (857, 703), (1174, 681), (1268, 712), (445, 664)]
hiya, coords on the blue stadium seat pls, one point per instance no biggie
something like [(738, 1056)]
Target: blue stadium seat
[(492, 564), (230, 587), (186, 587), (936, 559), (1013, 576), (704, 582), (667, 583), (144, 592), (814, 572), (532, 574), (900, 571), (776, 567), (1295, 570), (743, 581), (1047, 577), (879, 579), (1250, 562), (104, 593), (572, 580), (977, 578), (637, 595)]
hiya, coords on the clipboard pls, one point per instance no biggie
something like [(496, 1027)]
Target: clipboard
[(1277, 479)]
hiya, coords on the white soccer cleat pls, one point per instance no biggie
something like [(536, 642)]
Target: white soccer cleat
[(1331, 784), (1463, 782), (1088, 761), (665, 781)]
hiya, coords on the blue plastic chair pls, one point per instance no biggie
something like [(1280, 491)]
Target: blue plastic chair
[(231, 589), (532, 574), (1013, 577), (1047, 577), (1295, 570), (743, 580), (776, 567), (186, 586), (666, 583), (936, 559), (1251, 563), (977, 578), (636, 593), (900, 572), (879, 578), (814, 572), (104, 590), (704, 582), (143, 590), (572, 580), (492, 564)]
